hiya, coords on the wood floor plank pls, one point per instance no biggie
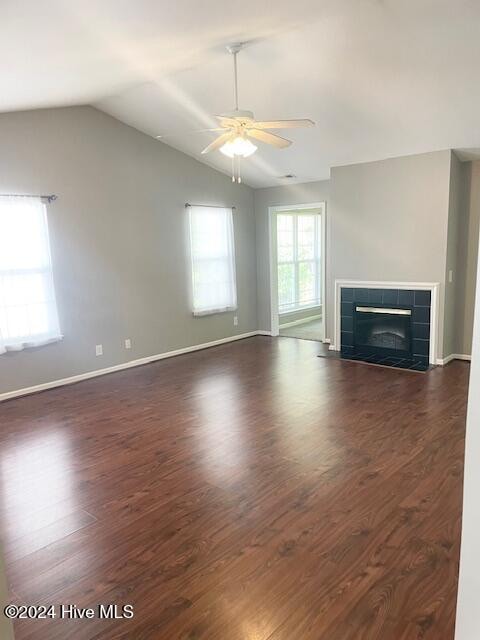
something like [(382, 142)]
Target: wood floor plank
[(248, 491)]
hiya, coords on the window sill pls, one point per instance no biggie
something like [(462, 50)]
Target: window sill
[(31, 344), (212, 312), (297, 309)]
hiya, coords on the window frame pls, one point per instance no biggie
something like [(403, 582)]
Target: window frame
[(53, 333), (316, 261), (228, 256)]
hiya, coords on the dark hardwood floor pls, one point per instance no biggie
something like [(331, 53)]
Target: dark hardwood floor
[(250, 491)]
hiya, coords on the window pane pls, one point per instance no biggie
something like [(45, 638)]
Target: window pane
[(17, 322), (38, 318), (306, 282), (306, 237), (212, 282), (299, 267), (209, 234), (285, 238), (28, 312), (23, 288), (286, 285), (213, 260)]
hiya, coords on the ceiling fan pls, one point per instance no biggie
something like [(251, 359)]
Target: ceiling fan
[(239, 127)]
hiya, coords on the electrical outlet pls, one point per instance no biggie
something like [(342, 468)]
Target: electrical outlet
[(99, 350), (450, 276), (235, 321), (128, 343)]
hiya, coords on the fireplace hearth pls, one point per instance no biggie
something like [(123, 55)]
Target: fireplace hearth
[(386, 326)]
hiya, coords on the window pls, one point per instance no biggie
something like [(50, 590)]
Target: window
[(28, 312), (299, 265), (213, 260)]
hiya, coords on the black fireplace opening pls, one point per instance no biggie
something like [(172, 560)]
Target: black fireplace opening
[(382, 330), (390, 327)]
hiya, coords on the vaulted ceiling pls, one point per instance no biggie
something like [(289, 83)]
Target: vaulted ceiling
[(381, 78)]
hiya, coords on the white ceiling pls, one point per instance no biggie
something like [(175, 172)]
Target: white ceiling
[(381, 78)]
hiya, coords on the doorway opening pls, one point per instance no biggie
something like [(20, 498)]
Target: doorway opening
[(297, 270)]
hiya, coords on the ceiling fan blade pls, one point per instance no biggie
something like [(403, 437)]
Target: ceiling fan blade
[(227, 122), (218, 142), (269, 138), (185, 133), (284, 124)]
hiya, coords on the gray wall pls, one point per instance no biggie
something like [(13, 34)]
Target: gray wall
[(6, 632), (468, 252), (462, 252), (455, 291), (389, 222), (118, 236), (468, 618), (385, 221)]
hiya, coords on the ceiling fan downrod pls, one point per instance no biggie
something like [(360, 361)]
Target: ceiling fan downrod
[(234, 49)]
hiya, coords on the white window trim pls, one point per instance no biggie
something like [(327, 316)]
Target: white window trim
[(305, 307), (314, 207), (211, 312)]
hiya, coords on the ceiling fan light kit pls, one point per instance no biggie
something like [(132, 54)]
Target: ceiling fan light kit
[(239, 146)]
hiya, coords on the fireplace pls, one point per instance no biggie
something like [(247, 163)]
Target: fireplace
[(382, 330), (387, 326)]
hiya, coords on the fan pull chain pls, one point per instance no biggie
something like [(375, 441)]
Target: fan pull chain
[(236, 175)]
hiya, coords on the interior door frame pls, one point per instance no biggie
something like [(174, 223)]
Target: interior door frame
[(315, 207)]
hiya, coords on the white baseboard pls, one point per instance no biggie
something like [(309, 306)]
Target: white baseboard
[(161, 356), (125, 365), (301, 321), (440, 361), (453, 356), (326, 341)]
